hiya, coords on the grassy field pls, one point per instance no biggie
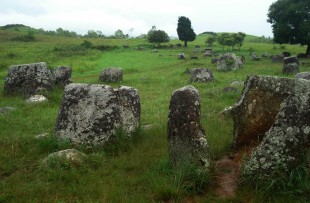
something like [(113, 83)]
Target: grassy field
[(136, 170)]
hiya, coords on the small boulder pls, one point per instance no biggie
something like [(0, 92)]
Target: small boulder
[(36, 99), (201, 75), (111, 75), (28, 79), (72, 157), (290, 68), (277, 58), (303, 75), (228, 62)]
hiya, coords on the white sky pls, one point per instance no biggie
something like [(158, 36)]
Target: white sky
[(247, 16)]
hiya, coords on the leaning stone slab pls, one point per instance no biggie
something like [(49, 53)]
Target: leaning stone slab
[(28, 79), (285, 143), (111, 75), (187, 144), (201, 75), (91, 114), (258, 106)]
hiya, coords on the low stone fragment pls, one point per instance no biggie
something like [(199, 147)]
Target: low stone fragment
[(63, 157)]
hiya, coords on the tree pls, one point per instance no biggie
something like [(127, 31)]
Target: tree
[(238, 39), (119, 34), (290, 21), (225, 39), (185, 30), (157, 36), (210, 40)]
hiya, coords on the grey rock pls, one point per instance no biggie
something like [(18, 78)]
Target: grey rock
[(201, 75), (91, 114), (290, 68), (291, 59), (68, 156), (28, 79), (303, 75), (284, 145), (62, 75), (277, 58), (187, 144), (36, 99), (229, 62), (111, 75), (258, 106)]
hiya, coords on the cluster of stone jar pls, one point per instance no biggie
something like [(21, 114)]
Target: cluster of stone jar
[(273, 112)]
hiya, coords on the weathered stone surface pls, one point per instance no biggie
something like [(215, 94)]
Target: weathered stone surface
[(277, 58), (284, 145), (91, 114), (130, 110), (303, 75), (62, 75), (256, 110), (228, 62), (187, 144), (290, 68), (36, 99), (111, 75), (254, 57), (28, 79), (291, 59), (201, 75), (68, 156)]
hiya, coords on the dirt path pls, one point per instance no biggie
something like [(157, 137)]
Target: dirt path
[(227, 172)]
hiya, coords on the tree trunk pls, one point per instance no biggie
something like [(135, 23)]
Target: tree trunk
[(185, 43), (308, 50)]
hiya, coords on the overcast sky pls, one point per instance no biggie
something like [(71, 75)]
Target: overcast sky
[(139, 16)]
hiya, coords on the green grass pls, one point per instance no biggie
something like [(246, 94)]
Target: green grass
[(134, 170)]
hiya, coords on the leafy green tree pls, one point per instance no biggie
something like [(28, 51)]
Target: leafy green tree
[(210, 40), (119, 34), (290, 20), (225, 39), (157, 36), (185, 30), (238, 39)]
